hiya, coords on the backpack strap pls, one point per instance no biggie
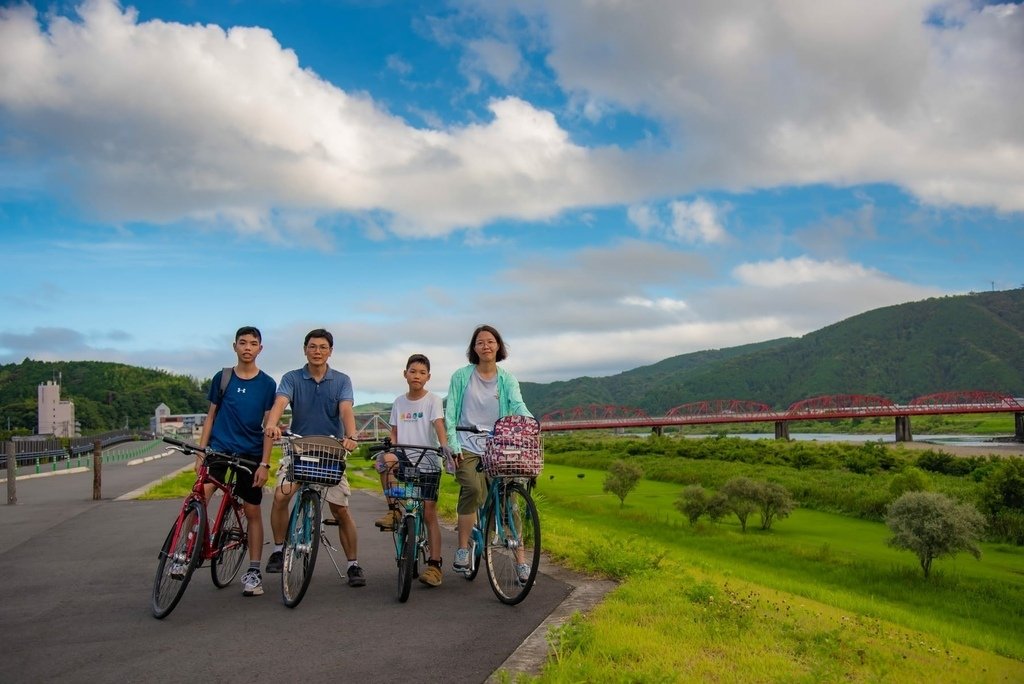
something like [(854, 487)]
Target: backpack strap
[(225, 379)]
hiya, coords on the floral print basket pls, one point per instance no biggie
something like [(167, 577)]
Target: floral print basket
[(514, 449)]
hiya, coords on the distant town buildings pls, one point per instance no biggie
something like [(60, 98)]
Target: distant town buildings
[(56, 416), (188, 425)]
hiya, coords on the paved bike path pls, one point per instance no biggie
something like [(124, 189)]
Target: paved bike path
[(77, 575)]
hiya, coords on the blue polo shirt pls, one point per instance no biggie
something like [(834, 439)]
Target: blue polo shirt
[(316, 405)]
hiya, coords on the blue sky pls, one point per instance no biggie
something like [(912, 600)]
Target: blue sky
[(610, 184)]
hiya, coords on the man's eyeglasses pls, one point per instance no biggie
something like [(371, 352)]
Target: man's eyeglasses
[(318, 348)]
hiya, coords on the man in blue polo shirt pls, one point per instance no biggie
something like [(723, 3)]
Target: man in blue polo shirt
[(321, 400)]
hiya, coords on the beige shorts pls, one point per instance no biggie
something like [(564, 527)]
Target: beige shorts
[(337, 495)]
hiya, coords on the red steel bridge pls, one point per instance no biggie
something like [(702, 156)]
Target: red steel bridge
[(830, 407)]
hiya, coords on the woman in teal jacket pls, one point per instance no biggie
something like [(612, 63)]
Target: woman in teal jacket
[(478, 394)]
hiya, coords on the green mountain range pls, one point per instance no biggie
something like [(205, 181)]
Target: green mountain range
[(967, 342)]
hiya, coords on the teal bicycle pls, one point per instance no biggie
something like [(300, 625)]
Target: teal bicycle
[(314, 463), (417, 476), (506, 536)]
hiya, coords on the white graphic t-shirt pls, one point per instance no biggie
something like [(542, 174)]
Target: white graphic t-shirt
[(414, 419)]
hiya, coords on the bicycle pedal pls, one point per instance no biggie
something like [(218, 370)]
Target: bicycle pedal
[(331, 521)]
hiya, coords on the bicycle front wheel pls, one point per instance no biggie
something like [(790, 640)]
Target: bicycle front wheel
[(230, 543), (300, 547), (405, 548), (512, 544), (179, 557)]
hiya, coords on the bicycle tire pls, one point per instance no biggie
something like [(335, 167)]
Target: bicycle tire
[(406, 546), (183, 547), (230, 544), (300, 547), (512, 539)]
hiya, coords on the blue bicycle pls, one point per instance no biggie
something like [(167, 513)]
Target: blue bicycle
[(506, 535), (417, 476), (314, 463)]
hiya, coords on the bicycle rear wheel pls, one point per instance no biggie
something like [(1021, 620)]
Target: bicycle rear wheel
[(300, 547), (406, 546), (179, 557), (230, 543), (512, 544)]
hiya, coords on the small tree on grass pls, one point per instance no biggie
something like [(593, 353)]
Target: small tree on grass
[(693, 502), (932, 525), (742, 495), (775, 502), (718, 507), (621, 479)]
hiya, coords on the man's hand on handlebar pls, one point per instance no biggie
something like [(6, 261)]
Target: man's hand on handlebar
[(272, 431)]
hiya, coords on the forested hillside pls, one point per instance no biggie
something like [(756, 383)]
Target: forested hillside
[(106, 395), (968, 342)]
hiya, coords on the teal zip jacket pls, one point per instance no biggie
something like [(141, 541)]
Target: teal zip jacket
[(510, 400)]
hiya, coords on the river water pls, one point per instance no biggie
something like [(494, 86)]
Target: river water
[(949, 440)]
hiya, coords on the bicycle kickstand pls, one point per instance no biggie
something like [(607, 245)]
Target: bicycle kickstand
[(325, 540)]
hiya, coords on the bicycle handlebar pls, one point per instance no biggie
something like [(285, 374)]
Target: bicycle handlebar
[(386, 445), (189, 448), (475, 429)]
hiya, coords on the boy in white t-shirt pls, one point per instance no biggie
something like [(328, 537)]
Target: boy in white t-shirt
[(417, 418)]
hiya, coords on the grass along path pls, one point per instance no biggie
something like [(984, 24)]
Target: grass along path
[(836, 590), (818, 598)]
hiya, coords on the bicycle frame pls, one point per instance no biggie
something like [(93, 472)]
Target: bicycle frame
[(476, 540), (228, 500)]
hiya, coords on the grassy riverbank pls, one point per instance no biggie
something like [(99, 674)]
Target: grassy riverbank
[(820, 597)]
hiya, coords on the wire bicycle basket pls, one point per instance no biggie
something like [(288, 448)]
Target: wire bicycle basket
[(316, 460), (418, 477)]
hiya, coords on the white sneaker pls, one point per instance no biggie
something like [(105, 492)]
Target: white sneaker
[(178, 571), (461, 564), (252, 583), (523, 572)]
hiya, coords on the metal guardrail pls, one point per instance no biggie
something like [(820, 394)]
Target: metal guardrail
[(39, 452)]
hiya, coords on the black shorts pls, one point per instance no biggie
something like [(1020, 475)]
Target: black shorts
[(243, 481)]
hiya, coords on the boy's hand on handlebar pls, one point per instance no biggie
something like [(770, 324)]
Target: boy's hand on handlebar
[(260, 477)]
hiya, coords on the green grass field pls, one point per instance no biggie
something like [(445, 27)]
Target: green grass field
[(820, 597)]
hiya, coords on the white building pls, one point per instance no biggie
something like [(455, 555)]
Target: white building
[(181, 424), (56, 417)]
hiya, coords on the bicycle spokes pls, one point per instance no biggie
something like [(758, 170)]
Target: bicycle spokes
[(512, 544)]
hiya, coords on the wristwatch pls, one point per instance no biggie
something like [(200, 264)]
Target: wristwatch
[(265, 465)]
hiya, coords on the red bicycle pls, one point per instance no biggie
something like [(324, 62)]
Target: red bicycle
[(188, 544)]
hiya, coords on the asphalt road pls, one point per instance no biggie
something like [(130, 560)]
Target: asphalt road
[(76, 577)]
